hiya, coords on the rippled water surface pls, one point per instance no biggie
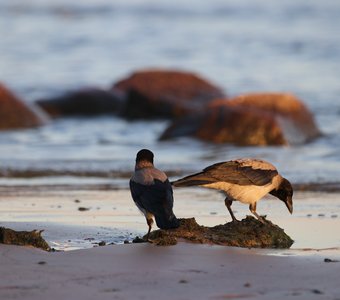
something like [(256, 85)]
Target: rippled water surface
[(48, 47)]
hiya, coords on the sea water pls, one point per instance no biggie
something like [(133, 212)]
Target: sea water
[(50, 47)]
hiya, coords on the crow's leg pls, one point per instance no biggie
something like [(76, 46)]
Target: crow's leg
[(252, 208), (149, 221), (228, 204)]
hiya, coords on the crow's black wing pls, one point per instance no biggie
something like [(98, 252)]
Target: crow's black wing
[(157, 199), (241, 172)]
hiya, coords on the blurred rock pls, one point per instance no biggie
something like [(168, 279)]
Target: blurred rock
[(83, 102), (15, 113), (295, 119), (155, 94), (253, 119), (227, 124)]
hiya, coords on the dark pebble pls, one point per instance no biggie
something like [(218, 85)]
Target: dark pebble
[(183, 281), (334, 216), (42, 263), (126, 242), (247, 285), (321, 215), (77, 201), (318, 292), (328, 260), (137, 240), (83, 208), (102, 243), (309, 215)]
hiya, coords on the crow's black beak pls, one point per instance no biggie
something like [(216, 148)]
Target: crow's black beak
[(289, 204)]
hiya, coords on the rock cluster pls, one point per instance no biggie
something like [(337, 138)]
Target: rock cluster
[(195, 107)]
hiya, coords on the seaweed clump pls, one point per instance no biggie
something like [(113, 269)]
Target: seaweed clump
[(248, 233), (23, 238)]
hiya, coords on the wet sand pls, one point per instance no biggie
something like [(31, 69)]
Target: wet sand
[(111, 216), (184, 271), (144, 271)]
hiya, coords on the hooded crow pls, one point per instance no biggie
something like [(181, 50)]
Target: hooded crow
[(244, 180), (152, 192)]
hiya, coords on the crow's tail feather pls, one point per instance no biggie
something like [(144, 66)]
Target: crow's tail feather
[(193, 180), (167, 222)]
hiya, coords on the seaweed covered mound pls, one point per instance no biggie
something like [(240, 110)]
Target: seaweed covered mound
[(23, 238), (248, 233)]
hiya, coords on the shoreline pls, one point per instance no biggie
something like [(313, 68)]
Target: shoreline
[(94, 183), (73, 219)]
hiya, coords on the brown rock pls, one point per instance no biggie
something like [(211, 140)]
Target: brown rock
[(227, 124), (83, 102), (296, 120), (253, 119), (23, 238), (165, 94), (248, 233), (15, 113)]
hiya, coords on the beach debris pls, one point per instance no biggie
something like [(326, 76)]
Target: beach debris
[(248, 233), (15, 113), (23, 238), (165, 94)]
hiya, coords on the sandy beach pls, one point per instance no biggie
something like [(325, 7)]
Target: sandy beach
[(146, 271), (184, 271)]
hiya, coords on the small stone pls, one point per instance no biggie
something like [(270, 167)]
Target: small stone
[(138, 240), (183, 281), (334, 216), (316, 291), (126, 242), (321, 215), (309, 215), (77, 201), (83, 208), (247, 285), (102, 243), (42, 263)]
